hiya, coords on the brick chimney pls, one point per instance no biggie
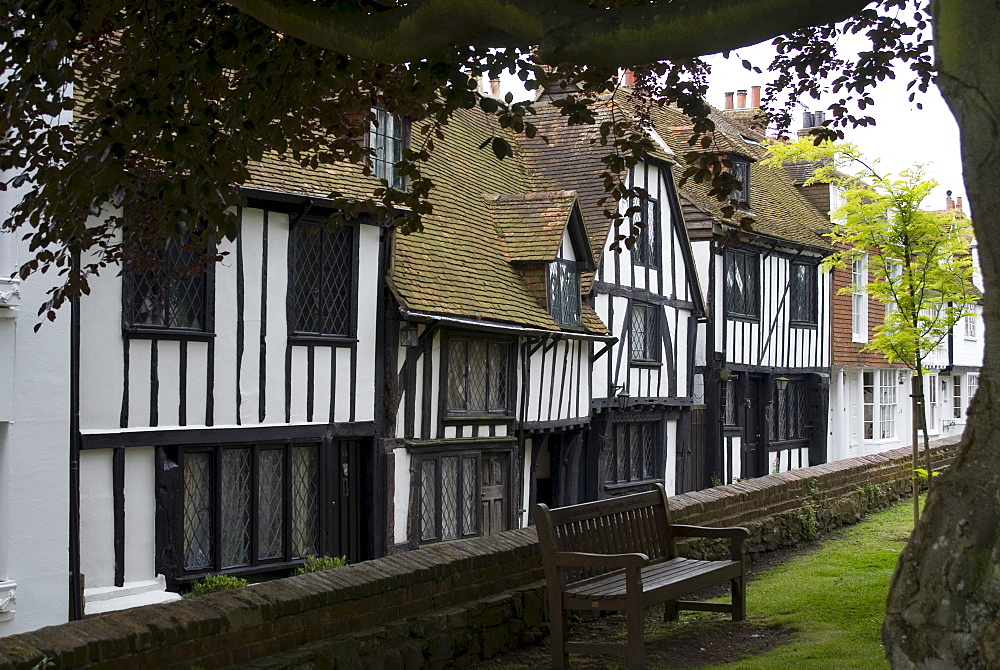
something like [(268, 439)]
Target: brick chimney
[(755, 97), (958, 203), (729, 100), (949, 204), (628, 78), (741, 99), (495, 88)]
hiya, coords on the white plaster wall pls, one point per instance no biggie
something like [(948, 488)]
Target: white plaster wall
[(140, 514), (97, 523), (34, 456), (368, 283), (670, 476), (521, 520), (401, 506)]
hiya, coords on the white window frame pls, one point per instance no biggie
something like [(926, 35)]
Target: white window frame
[(859, 299), (971, 330), (972, 384), (957, 406), (880, 405)]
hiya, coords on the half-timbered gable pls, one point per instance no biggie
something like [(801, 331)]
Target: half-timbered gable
[(648, 296), (227, 420), (764, 356), (492, 344)]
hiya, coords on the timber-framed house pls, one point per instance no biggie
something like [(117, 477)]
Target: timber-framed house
[(489, 358), (227, 422), (642, 388), (764, 351)]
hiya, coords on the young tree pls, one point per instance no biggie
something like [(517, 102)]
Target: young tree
[(309, 69), (918, 262)]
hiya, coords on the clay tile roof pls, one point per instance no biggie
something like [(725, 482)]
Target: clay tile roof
[(459, 264), (781, 212), (532, 224)]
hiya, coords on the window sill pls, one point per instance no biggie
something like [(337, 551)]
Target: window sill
[(167, 334), (325, 340), (645, 364), (493, 417), (803, 324), (743, 317), (635, 484)]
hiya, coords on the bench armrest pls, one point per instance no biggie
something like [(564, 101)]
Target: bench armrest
[(734, 533), (578, 559), (736, 536)]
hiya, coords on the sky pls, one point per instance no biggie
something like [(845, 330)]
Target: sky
[(902, 137)]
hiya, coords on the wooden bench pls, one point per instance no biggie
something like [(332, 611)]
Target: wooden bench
[(621, 554)]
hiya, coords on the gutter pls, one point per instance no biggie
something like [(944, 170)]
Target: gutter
[(477, 324)]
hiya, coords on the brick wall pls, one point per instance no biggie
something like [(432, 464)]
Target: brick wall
[(438, 605), (844, 350)]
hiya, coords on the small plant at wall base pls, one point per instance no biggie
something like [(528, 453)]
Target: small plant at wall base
[(320, 563), (215, 583), (808, 520)]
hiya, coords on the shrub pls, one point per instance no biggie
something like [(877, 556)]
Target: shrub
[(215, 583), (318, 563)]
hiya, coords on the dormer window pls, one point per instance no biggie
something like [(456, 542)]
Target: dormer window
[(564, 287), (387, 137), (741, 173)]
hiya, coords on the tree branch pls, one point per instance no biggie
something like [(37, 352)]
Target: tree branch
[(562, 30)]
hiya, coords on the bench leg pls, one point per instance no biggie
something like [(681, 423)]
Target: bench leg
[(670, 612), (636, 637), (739, 598), (559, 631)]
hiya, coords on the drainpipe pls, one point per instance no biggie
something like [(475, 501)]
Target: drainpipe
[(75, 578)]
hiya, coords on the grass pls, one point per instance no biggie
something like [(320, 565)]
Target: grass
[(834, 599)]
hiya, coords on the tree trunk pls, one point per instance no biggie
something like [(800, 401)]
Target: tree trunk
[(943, 609)]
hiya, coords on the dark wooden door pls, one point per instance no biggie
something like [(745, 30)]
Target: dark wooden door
[(751, 430), (494, 477), (345, 519)]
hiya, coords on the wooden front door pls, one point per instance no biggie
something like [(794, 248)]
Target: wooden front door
[(494, 477)]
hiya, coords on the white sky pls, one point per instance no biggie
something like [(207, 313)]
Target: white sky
[(902, 137)]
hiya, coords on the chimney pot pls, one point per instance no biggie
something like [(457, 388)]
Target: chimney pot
[(729, 100), (807, 120), (495, 88), (819, 118), (755, 97), (741, 99)]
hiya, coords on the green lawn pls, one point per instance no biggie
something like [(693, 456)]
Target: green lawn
[(833, 599)]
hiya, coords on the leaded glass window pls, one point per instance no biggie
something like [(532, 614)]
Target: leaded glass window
[(645, 250), (742, 284), (478, 375), (250, 505), (449, 496), (956, 397), (172, 296), (788, 416), (644, 334), (729, 400), (198, 547), (387, 138), (564, 292), (321, 279), (802, 294), (634, 453)]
